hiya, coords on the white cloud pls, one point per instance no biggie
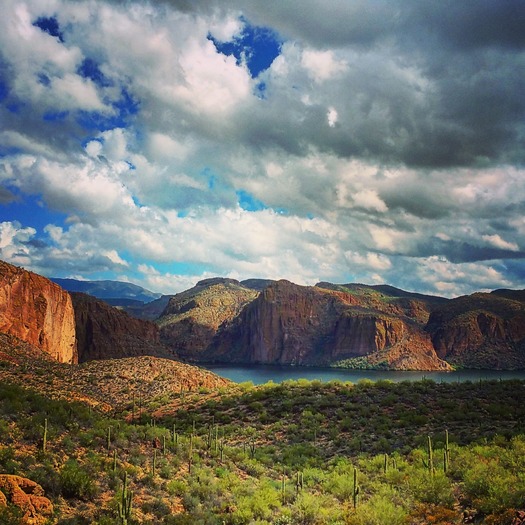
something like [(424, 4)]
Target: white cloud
[(14, 240), (496, 241), (352, 145), (322, 65), (371, 260), (369, 199), (332, 117)]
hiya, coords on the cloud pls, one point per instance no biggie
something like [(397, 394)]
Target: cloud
[(322, 65), (496, 241), (384, 141)]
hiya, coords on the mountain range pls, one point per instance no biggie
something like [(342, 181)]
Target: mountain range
[(265, 321)]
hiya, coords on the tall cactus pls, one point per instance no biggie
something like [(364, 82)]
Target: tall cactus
[(446, 453), (154, 463), (429, 463), (355, 495), (190, 454), (125, 503), (44, 436)]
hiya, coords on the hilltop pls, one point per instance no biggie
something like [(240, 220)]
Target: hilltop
[(272, 322)]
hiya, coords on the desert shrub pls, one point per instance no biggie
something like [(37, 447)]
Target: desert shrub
[(76, 481), (378, 510), (8, 463), (433, 489), (47, 476), (10, 515), (314, 509)]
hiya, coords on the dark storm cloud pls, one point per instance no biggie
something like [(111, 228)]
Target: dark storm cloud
[(464, 252), (6, 196), (469, 108)]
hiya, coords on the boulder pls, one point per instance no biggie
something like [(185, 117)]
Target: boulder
[(26, 495)]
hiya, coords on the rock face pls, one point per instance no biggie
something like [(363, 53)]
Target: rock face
[(26, 495), (37, 311), (298, 325), (192, 318), (104, 332), (278, 322), (481, 330)]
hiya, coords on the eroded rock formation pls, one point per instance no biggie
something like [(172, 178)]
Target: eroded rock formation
[(26, 495), (481, 330), (301, 325), (104, 332), (37, 311)]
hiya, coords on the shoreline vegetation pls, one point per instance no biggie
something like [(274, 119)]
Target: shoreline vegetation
[(296, 452)]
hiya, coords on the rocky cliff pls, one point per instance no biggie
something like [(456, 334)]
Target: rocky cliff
[(37, 311), (481, 330), (301, 325), (192, 318), (104, 332)]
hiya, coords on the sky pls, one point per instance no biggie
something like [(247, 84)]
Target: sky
[(165, 142)]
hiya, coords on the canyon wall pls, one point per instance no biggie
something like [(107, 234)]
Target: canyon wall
[(37, 311), (104, 332), (482, 330)]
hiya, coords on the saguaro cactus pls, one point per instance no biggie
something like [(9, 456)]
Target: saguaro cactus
[(355, 495), (446, 453), (44, 436), (125, 503), (429, 463)]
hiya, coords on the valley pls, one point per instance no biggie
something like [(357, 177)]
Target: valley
[(119, 431)]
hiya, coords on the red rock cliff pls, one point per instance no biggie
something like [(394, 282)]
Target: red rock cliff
[(104, 332), (481, 331), (301, 325), (37, 311)]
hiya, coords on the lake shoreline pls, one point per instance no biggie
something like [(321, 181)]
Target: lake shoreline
[(260, 374)]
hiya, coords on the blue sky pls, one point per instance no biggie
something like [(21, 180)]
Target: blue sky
[(345, 142)]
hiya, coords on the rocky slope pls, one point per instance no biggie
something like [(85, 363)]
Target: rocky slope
[(301, 325), (37, 311), (106, 384), (192, 318), (104, 332), (481, 330)]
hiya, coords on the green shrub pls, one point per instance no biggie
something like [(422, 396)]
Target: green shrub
[(76, 482), (378, 510)]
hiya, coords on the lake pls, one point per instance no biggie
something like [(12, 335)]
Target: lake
[(259, 374)]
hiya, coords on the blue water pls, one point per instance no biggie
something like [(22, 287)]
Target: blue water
[(260, 374)]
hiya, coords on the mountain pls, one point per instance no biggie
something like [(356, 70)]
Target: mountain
[(278, 322), (70, 327), (271, 322), (482, 330), (37, 311), (192, 318), (108, 290), (104, 332), (288, 324)]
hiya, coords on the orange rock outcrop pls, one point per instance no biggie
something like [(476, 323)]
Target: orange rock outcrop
[(26, 495), (37, 311)]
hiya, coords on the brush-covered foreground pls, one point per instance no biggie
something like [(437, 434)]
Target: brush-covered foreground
[(294, 453)]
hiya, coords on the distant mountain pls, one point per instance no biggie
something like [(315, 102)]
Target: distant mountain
[(268, 322), (482, 330), (113, 290), (278, 322)]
